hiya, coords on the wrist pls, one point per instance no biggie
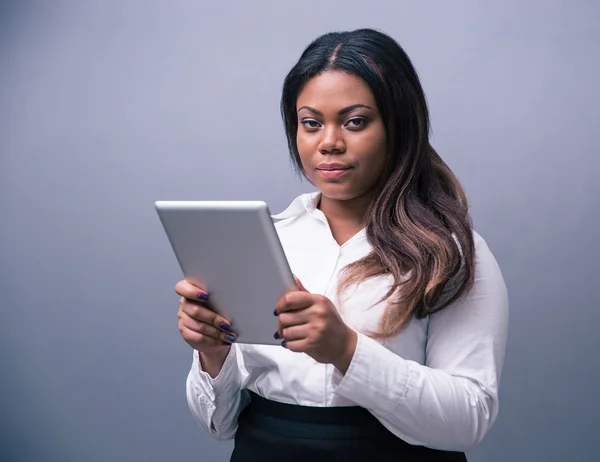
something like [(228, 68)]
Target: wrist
[(214, 355), (211, 362), (343, 362)]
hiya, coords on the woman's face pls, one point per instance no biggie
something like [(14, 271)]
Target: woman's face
[(341, 137)]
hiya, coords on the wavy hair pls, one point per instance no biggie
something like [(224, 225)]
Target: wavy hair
[(418, 223)]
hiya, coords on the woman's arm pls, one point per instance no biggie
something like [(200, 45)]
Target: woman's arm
[(217, 401), (451, 402), (212, 363)]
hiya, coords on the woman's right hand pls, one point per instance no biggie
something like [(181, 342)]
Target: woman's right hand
[(202, 329)]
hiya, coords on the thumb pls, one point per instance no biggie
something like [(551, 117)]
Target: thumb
[(299, 284)]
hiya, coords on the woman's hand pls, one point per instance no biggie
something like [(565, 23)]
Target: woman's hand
[(202, 329), (311, 324)]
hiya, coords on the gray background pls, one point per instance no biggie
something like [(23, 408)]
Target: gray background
[(107, 106)]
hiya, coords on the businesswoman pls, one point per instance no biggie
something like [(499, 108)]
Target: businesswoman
[(393, 344)]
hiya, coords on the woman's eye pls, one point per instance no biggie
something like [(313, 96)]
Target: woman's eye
[(308, 123), (357, 122)]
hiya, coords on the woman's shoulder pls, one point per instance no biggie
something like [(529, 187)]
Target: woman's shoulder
[(488, 273), (482, 248), (478, 240), (486, 264)]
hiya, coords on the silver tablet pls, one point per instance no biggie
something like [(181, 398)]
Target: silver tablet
[(231, 248)]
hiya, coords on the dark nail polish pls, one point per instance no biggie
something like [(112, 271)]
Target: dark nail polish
[(284, 344), (202, 297), (231, 338), (275, 313), (276, 335), (225, 326)]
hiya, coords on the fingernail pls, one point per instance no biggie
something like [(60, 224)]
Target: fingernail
[(276, 335), (231, 338), (202, 296), (275, 313), (284, 344), (225, 326)]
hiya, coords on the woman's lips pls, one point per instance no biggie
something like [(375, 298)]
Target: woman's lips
[(329, 173)]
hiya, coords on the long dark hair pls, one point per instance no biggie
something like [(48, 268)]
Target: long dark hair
[(418, 223)]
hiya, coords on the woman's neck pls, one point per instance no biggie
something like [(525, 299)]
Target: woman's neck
[(345, 218)]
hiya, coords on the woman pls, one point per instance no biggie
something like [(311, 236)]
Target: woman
[(394, 342)]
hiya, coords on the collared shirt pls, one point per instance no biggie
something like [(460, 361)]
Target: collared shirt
[(435, 384)]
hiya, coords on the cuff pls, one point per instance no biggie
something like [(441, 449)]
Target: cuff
[(376, 378), (213, 387)]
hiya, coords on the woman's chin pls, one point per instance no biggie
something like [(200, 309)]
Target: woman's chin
[(338, 194)]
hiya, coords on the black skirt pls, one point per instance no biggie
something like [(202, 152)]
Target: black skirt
[(278, 432)]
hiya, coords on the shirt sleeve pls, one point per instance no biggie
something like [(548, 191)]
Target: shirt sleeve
[(216, 403), (451, 402)]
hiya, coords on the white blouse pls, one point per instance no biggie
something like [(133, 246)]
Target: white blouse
[(435, 384)]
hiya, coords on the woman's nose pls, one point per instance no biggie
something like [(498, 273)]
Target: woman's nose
[(332, 141)]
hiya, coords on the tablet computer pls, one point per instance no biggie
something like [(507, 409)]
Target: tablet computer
[(231, 249)]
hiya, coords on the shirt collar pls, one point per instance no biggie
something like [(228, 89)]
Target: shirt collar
[(305, 203)]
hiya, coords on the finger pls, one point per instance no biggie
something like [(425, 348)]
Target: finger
[(206, 329), (293, 300), (299, 284), (298, 346), (293, 333), (203, 314), (293, 318), (190, 291), (199, 341), (290, 319)]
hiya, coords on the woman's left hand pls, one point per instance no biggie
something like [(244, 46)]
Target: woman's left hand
[(311, 324)]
